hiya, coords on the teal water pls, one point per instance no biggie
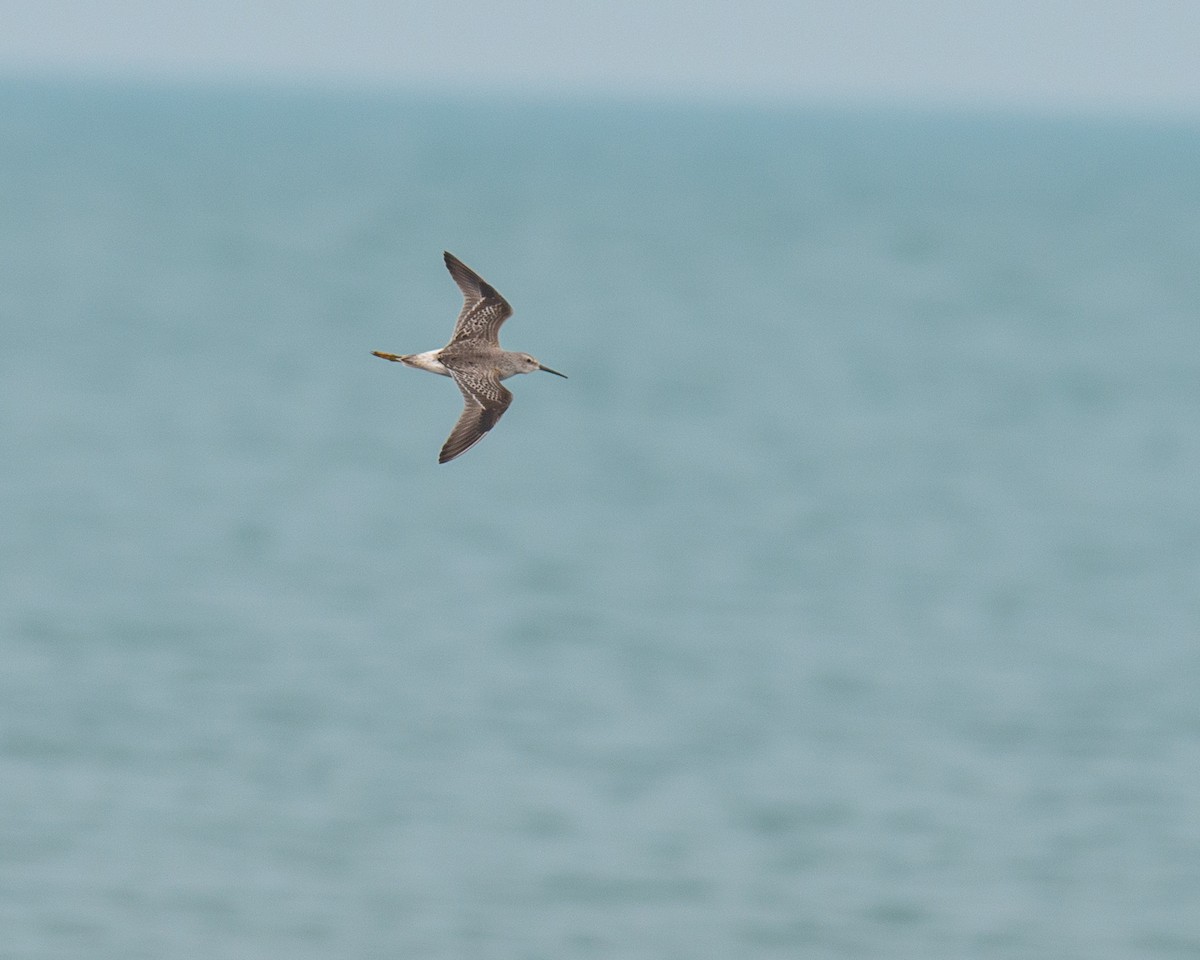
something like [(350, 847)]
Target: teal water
[(844, 602)]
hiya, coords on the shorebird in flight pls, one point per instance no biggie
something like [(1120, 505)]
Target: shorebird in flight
[(474, 359)]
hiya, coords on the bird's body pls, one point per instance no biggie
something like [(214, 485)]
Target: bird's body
[(474, 359)]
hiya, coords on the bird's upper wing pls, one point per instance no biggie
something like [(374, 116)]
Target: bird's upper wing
[(483, 308), (484, 402)]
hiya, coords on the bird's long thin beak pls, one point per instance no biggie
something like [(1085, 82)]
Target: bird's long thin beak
[(555, 372), (385, 356)]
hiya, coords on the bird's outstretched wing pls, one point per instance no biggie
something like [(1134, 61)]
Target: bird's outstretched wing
[(484, 402), (483, 308)]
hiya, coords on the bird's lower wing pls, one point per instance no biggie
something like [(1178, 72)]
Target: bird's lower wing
[(484, 402)]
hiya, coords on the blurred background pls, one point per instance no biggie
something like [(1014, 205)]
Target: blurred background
[(842, 603)]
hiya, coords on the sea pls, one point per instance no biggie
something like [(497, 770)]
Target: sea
[(843, 603)]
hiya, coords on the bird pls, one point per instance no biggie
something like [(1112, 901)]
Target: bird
[(474, 359)]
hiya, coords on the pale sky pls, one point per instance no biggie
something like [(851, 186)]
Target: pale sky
[(1127, 55)]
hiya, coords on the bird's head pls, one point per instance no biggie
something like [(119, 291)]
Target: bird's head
[(530, 364)]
